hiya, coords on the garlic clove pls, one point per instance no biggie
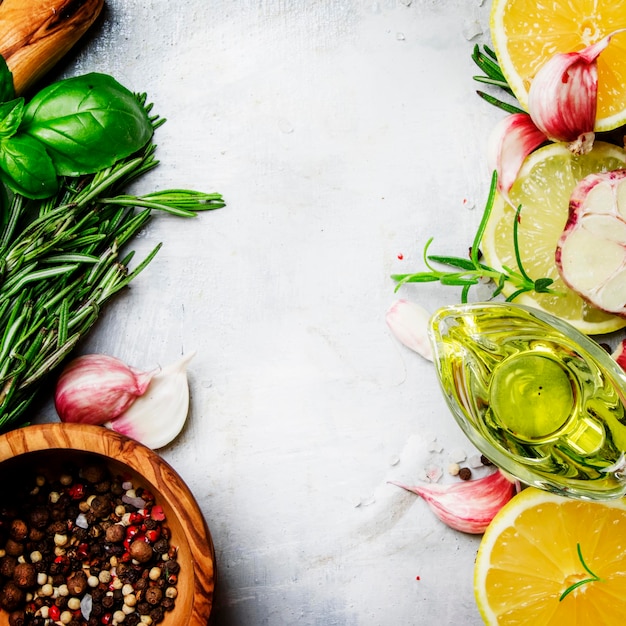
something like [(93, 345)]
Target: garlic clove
[(512, 139), (563, 96), (94, 388), (158, 416), (467, 506), (409, 324)]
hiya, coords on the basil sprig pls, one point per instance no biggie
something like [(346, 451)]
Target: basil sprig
[(72, 127)]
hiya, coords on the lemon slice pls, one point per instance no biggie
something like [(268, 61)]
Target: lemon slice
[(547, 560), (543, 188), (526, 34)]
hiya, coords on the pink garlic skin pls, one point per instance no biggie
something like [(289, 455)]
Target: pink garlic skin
[(409, 324), (619, 354), (467, 506), (512, 139), (563, 96), (95, 388)]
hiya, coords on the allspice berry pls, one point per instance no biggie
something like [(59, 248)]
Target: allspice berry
[(11, 596), (18, 530), (153, 595), (7, 566), (25, 575), (140, 551), (77, 583), (13, 548), (115, 533)]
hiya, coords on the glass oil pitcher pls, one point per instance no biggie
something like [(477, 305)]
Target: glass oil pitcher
[(538, 398)]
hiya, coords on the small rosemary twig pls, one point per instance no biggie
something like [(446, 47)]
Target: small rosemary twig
[(471, 271), (487, 61), (594, 578)]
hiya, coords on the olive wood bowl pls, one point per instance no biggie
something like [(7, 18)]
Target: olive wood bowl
[(48, 445)]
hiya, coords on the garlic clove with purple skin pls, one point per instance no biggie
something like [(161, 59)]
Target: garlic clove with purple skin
[(409, 324), (158, 416), (512, 139), (467, 506), (563, 96), (95, 388)]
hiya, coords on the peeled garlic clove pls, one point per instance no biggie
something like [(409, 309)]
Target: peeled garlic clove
[(95, 388), (409, 324), (467, 506), (512, 139), (158, 416), (563, 96)]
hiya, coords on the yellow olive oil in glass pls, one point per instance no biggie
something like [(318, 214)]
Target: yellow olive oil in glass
[(540, 399)]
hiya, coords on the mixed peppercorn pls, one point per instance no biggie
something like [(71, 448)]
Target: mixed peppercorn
[(85, 548)]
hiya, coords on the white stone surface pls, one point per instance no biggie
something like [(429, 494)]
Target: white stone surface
[(343, 134)]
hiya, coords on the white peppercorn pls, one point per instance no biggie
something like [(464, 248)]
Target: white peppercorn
[(104, 576), (73, 604), (93, 581), (35, 556), (119, 616), (47, 589), (155, 573), (66, 617)]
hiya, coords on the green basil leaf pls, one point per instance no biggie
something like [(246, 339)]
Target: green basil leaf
[(26, 168), (11, 114), (87, 123), (7, 90)]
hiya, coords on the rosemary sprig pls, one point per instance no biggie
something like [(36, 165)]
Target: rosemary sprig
[(487, 61), (61, 261), (592, 579), (472, 270)]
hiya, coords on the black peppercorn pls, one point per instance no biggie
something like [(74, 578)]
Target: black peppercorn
[(95, 473), (156, 614), (101, 506), (39, 517)]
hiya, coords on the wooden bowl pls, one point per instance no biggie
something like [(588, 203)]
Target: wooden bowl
[(47, 445)]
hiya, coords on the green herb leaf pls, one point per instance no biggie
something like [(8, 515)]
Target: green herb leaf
[(472, 270), (7, 90), (11, 114), (87, 123), (26, 167)]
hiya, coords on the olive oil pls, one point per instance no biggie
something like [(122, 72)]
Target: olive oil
[(541, 400)]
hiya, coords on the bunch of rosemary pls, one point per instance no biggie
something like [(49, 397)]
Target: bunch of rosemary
[(61, 261)]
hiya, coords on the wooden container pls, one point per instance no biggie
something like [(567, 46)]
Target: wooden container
[(48, 445)]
